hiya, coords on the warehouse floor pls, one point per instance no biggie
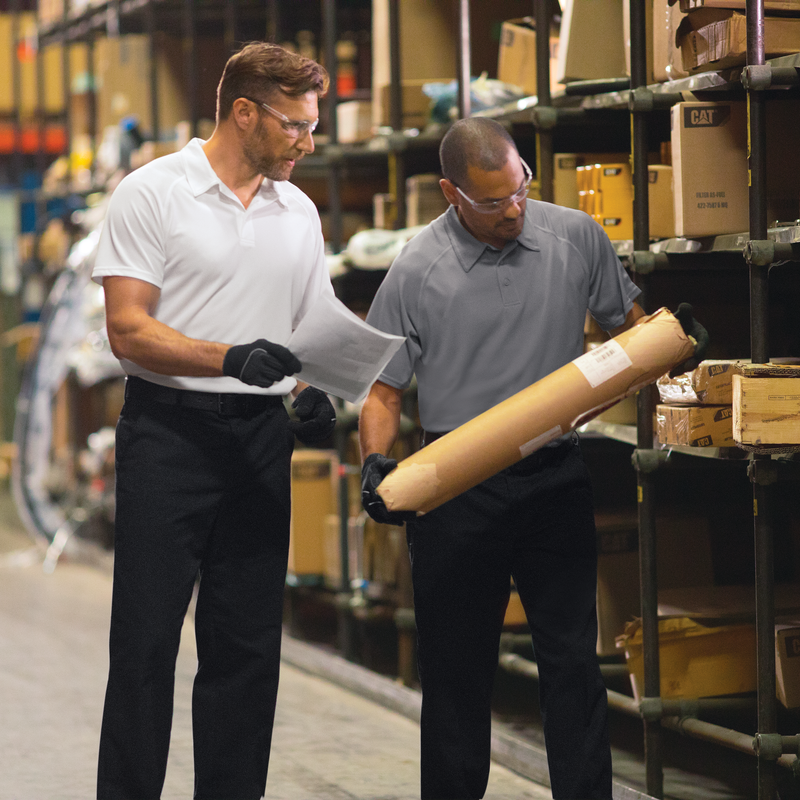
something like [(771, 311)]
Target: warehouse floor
[(329, 743)]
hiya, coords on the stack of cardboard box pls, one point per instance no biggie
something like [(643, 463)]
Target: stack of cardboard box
[(696, 408)]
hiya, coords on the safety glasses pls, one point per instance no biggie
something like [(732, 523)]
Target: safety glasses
[(496, 206)]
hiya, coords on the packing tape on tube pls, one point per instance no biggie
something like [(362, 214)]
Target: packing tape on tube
[(556, 404)]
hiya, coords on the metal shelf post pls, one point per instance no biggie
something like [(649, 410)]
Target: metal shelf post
[(464, 59), (763, 502), (648, 571), (543, 16)]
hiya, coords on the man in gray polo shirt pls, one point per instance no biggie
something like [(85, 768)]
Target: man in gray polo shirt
[(492, 296)]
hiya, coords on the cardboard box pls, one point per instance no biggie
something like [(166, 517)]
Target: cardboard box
[(314, 498), (787, 664), (516, 60), (784, 6), (429, 41), (591, 42), (515, 613), (384, 212), (605, 192), (667, 57), (626, 38), (713, 38), (709, 168), (544, 411), (618, 598), (353, 121), (709, 383), (416, 104), (695, 661), (766, 405), (424, 199), (695, 426), (661, 201), (565, 180)]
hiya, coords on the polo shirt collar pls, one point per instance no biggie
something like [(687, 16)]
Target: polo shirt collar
[(201, 176), (469, 250)]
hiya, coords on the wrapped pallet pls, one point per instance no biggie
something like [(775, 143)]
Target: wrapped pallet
[(530, 419)]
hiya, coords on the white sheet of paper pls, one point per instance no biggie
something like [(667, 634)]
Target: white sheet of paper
[(339, 352)]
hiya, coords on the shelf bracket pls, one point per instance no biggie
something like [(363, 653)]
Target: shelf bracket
[(762, 473), (653, 709), (545, 118), (644, 262), (771, 746), (763, 252), (647, 461), (758, 77)]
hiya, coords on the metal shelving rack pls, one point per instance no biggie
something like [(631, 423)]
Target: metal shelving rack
[(546, 112), (761, 248)]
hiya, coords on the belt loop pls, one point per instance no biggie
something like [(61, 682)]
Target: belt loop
[(127, 387)]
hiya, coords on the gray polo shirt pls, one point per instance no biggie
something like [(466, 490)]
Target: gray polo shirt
[(482, 324)]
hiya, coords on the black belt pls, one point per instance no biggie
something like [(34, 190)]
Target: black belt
[(228, 405), (430, 436)]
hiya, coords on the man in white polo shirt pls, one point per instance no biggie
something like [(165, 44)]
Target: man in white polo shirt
[(209, 258), (491, 297)]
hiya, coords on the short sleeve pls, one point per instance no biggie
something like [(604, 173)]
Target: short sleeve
[(611, 291), (393, 310), (132, 241)]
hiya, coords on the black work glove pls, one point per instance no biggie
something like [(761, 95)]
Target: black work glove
[(691, 327), (260, 363), (375, 468), (316, 414)]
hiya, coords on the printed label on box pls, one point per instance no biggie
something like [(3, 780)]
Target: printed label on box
[(792, 646), (603, 363)]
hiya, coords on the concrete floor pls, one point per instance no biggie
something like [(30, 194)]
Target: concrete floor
[(329, 743)]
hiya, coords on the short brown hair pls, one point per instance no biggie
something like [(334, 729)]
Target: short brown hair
[(260, 69), (476, 141)]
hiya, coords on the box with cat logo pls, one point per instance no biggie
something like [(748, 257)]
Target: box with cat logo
[(709, 168), (695, 426)]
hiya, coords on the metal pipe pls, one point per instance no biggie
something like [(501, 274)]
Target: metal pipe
[(335, 165), (545, 170), (230, 24), (686, 725), (648, 571), (763, 501), (152, 49), (395, 73), (16, 89), (464, 61), (66, 90), (91, 106), (190, 55)]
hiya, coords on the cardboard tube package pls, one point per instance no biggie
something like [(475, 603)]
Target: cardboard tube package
[(525, 422)]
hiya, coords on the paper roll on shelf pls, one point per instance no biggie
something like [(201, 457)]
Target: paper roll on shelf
[(527, 421)]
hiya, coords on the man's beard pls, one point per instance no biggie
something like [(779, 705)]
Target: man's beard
[(266, 164)]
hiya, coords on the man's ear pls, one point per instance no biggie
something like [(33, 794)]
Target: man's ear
[(449, 191), (243, 112)]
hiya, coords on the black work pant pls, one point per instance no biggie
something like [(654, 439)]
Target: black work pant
[(197, 493), (534, 522)]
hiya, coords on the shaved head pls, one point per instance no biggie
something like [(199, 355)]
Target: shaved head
[(474, 142)]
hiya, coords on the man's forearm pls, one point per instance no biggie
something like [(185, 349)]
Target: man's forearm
[(379, 423), (163, 350)]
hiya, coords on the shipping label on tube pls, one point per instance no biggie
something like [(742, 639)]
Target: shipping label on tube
[(603, 363), (540, 441)]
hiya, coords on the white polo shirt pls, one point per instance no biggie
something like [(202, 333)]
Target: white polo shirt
[(226, 274)]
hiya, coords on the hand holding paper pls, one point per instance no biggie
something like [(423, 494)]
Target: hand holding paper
[(339, 352)]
